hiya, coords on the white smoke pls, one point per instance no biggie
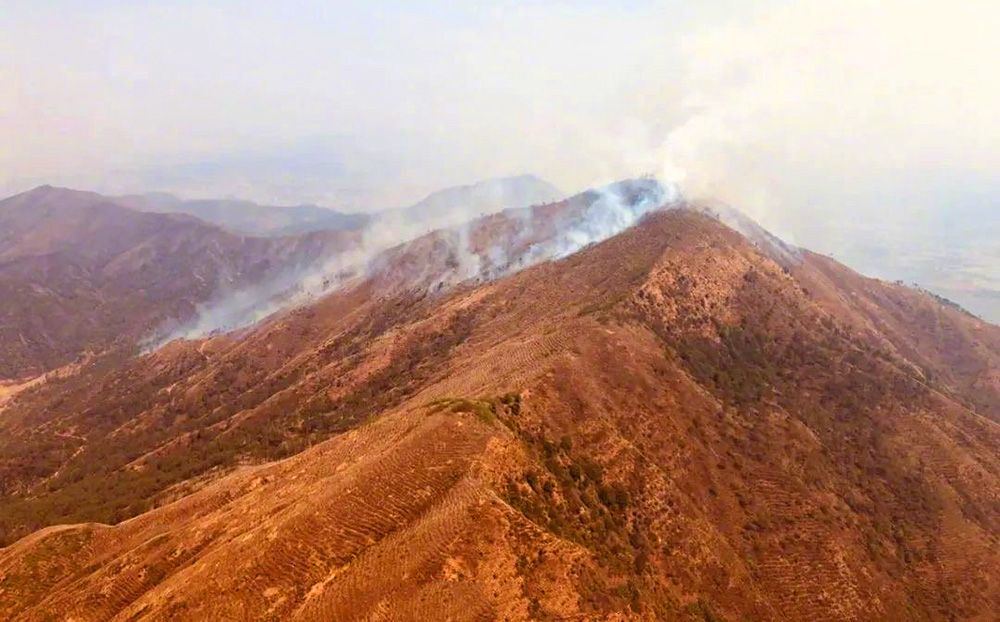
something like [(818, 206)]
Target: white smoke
[(615, 208), (534, 238), (231, 308), (836, 111)]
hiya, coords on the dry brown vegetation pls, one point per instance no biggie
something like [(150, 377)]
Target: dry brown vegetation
[(81, 274), (667, 425)]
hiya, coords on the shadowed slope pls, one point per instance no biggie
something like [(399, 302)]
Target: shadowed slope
[(951, 348), (80, 274)]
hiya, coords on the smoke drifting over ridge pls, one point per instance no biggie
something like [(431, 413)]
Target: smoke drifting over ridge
[(810, 116), (459, 253)]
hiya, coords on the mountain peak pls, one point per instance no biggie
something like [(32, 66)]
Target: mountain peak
[(56, 193)]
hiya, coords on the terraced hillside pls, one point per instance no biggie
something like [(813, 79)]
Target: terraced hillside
[(667, 425)]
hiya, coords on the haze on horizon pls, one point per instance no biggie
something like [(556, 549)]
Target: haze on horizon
[(867, 130)]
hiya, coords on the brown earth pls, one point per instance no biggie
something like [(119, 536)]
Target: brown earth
[(667, 425), (82, 274)]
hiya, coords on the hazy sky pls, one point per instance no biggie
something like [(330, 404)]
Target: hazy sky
[(869, 130)]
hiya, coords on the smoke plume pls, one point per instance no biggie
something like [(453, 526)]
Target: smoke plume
[(457, 254)]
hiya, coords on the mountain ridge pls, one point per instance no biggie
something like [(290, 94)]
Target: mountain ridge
[(80, 273), (684, 427), (442, 208), (247, 217)]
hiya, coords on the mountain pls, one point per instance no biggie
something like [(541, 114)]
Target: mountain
[(80, 273), (249, 218), (447, 207), (678, 422), (459, 204)]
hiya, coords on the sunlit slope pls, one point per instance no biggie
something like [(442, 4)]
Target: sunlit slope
[(668, 424)]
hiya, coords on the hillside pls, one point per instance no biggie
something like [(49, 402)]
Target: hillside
[(81, 274), (443, 208), (247, 217), (675, 423)]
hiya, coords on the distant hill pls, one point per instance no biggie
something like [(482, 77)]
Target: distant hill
[(460, 204), (443, 208), (248, 217), (81, 273)]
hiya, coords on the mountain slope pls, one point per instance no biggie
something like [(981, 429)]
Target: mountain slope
[(247, 217), (86, 432), (946, 344), (80, 273), (668, 424)]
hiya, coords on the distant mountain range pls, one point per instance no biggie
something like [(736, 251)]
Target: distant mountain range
[(443, 208), (459, 204), (81, 273), (247, 217)]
